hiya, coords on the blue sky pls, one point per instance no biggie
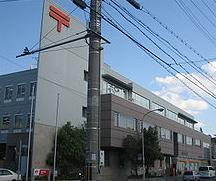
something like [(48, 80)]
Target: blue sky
[(20, 27)]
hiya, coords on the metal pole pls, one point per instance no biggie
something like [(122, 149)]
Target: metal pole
[(93, 102), (30, 130), (55, 144), (19, 161), (143, 150)]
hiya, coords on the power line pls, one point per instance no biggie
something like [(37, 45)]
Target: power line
[(203, 86), (49, 32), (213, 24), (54, 42), (195, 21), (7, 1), (147, 28), (178, 37), (12, 62), (151, 54), (209, 8)]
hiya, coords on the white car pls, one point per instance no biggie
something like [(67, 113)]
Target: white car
[(206, 171), (8, 175)]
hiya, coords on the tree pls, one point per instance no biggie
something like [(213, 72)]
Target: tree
[(152, 147), (133, 149), (70, 155)]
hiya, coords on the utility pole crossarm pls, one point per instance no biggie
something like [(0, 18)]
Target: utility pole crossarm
[(26, 52)]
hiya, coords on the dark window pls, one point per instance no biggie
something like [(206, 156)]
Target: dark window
[(5, 172), (84, 112), (12, 152), (116, 118), (20, 90), (106, 158), (18, 121), (5, 122), (210, 168), (2, 151), (203, 168), (8, 93), (85, 75)]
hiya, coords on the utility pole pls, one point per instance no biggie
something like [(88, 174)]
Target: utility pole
[(56, 135), (30, 131), (93, 102)]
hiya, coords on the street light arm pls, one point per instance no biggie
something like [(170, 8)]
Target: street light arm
[(160, 110)]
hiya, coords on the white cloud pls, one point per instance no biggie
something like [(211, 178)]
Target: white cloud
[(190, 105), (178, 94)]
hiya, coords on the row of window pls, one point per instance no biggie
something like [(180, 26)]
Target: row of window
[(20, 90), (127, 122), (111, 88), (20, 121), (191, 141)]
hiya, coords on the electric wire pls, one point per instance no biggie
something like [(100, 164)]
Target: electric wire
[(12, 62), (203, 86), (211, 22), (209, 8), (147, 28), (49, 31), (151, 54), (178, 37), (195, 21), (54, 42), (50, 81), (8, 1), (82, 58)]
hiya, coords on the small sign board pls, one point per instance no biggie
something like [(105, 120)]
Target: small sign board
[(41, 172), (102, 158)]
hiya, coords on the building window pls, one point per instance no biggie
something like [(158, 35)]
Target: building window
[(84, 112), (157, 106), (142, 101), (122, 121), (116, 118), (165, 133), (109, 88), (106, 159), (171, 115), (188, 124), (18, 121), (85, 76), (147, 125), (8, 93), (2, 151), (21, 91), (28, 120), (206, 145), (180, 138), (197, 142), (5, 122), (181, 121), (126, 122), (32, 85), (189, 140)]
